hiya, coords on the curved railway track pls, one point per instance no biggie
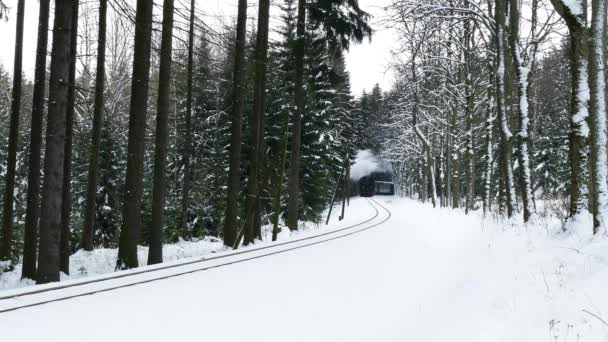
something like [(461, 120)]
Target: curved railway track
[(55, 293)]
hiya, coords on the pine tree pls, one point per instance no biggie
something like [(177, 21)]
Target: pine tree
[(51, 204), (98, 114), (155, 254), (188, 148), (30, 244), (280, 109), (131, 218), (9, 187), (293, 186), (257, 122), (341, 21), (66, 201), (231, 230)]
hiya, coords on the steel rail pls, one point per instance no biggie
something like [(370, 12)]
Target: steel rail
[(129, 273), (34, 292)]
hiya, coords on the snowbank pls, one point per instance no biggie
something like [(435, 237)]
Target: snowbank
[(500, 280), (103, 260)]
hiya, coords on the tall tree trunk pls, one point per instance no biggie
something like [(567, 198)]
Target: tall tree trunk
[(429, 171), (431, 175), (469, 94), (279, 184), (597, 115), (257, 129), (32, 212), (441, 186), (238, 96), (13, 139), (293, 186), (454, 159), (470, 160), (424, 184), (502, 196), (155, 254), (487, 177), (51, 205), (579, 106), (98, 111), (448, 162), (451, 125), (456, 181), (579, 115), (345, 181), (66, 202), (188, 152), (501, 93), (523, 72), (131, 216)]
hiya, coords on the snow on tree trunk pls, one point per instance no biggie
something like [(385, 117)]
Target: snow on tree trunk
[(574, 14), (505, 139), (579, 135), (523, 152), (522, 72), (597, 82), (487, 201)]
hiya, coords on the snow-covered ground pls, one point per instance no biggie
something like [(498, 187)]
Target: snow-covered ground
[(103, 261), (425, 275)]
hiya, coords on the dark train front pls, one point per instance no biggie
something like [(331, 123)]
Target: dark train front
[(378, 183)]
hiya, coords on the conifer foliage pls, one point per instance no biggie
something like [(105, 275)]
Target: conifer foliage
[(245, 125)]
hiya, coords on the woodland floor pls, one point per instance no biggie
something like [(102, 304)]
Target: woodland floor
[(425, 275)]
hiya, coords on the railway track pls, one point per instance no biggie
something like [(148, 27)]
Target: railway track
[(60, 292)]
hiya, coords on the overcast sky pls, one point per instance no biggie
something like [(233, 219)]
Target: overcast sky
[(366, 62)]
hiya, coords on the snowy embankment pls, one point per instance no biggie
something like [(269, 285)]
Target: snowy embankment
[(103, 261), (496, 280)]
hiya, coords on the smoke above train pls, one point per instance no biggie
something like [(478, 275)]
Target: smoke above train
[(370, 176)]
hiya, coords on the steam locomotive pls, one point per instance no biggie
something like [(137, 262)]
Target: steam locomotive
[(377, 183)]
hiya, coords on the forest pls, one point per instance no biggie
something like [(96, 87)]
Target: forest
[(500, 106), (190, 131), (159, 127)]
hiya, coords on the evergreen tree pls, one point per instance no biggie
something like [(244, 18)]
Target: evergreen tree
[(93, 170), (6, 253), (51, 204), (340, 21), (131, 225), (231, 230), (257, 123), (155, 254), (30, 243)]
